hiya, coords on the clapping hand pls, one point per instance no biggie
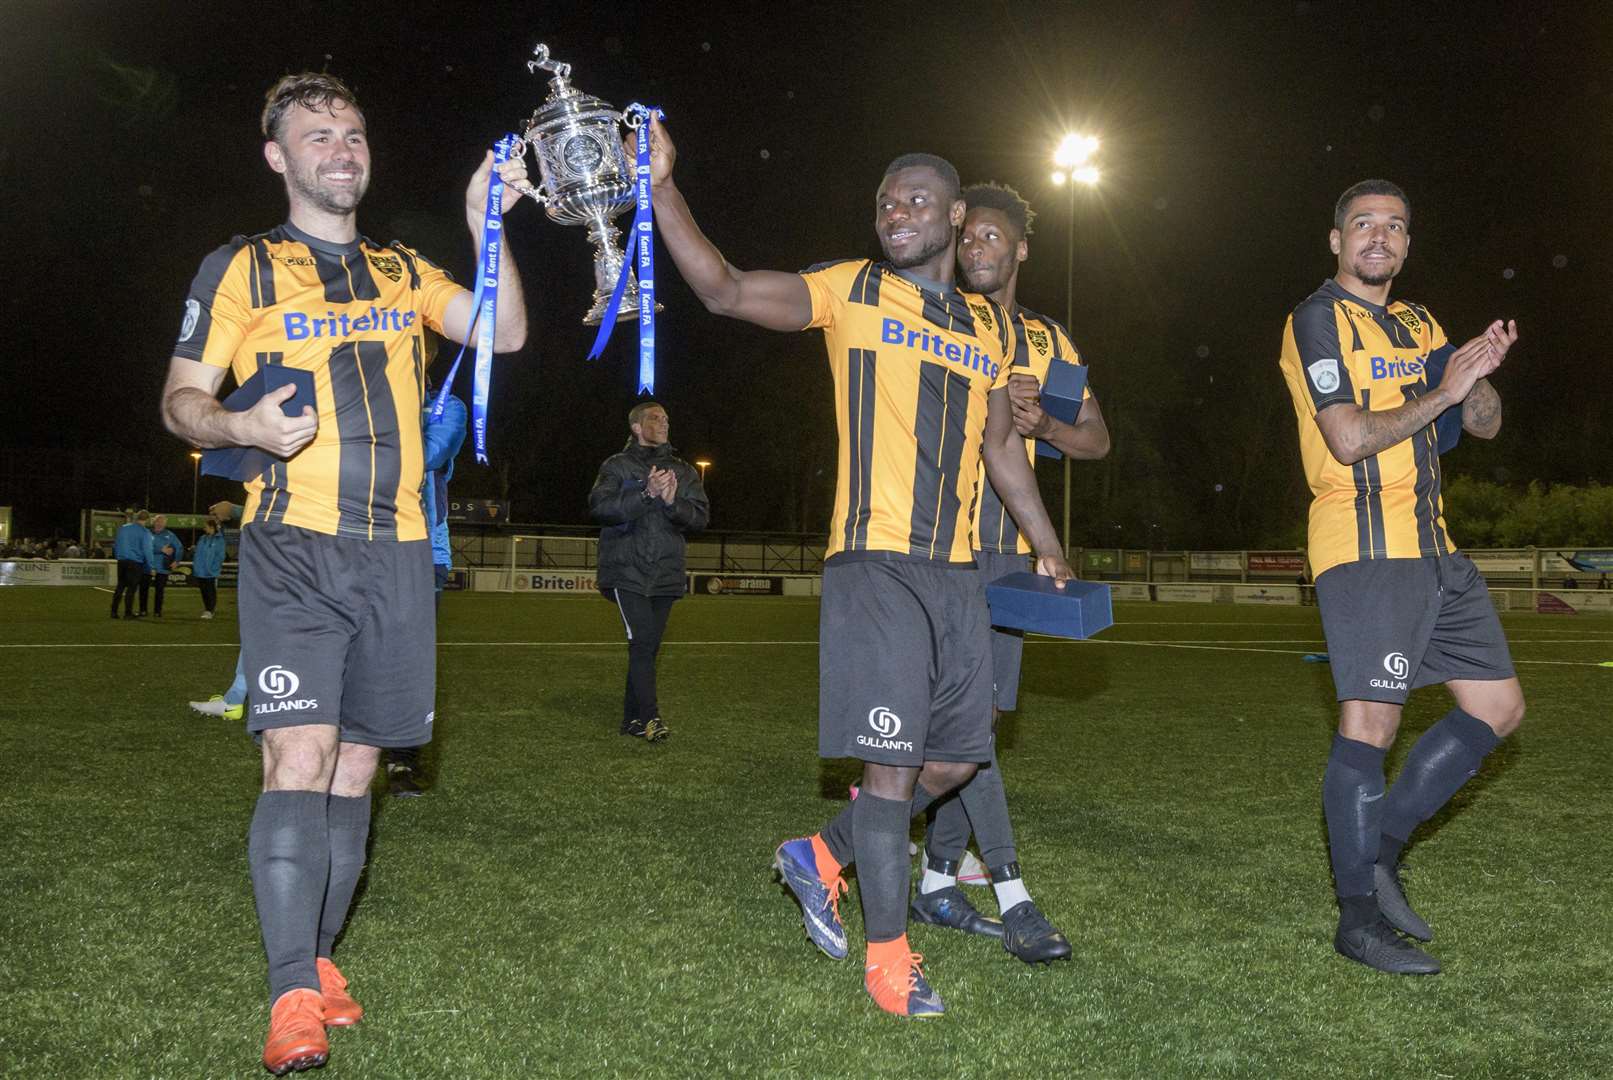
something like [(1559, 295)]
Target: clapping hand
[(1478, 358), (662, 484)]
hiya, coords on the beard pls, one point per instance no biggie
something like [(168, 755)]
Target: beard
[(306, 183), (1374, 278), (930, 250)]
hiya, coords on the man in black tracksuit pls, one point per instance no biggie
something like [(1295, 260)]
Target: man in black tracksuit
[(647, 498)]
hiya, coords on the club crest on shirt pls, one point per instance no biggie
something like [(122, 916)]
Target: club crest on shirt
[(1410, 320), (1037, 338), (983, 313), (390, 265), (1324, 376)]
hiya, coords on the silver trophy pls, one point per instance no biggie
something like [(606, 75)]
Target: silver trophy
[(586, 177)]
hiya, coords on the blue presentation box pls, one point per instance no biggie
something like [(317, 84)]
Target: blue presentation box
[(1025, 601), (1061, 397)]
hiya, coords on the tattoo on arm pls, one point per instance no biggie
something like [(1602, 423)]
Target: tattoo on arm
[(1359, 433), (1481, 412)]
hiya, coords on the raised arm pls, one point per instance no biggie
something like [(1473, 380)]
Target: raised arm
[(778, 301), (1015, 483), (510, 333)]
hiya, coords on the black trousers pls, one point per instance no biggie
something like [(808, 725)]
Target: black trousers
[(644, 618), (209, 588), (160, 583), (131, 572)]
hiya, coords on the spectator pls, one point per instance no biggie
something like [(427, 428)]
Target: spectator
[(167, 550), (647, 498), (129, 547), (206, 562)]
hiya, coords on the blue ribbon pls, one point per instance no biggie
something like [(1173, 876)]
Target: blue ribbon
[(484, 307), (641, 238)]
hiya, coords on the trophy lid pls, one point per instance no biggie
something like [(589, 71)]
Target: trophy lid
[(565, 105)]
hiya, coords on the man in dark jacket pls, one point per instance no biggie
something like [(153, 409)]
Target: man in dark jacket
[(647, 498)]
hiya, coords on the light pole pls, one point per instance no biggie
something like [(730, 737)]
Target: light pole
[(702, 464), (1073, 156), (195, 483)]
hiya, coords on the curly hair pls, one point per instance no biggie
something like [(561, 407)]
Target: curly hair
[(318, 91), (1005, 200)]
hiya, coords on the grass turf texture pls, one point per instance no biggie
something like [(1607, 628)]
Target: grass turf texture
[(569, 902)]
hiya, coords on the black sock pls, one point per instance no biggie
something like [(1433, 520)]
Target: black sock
[(349, 831), (1389, 848), (838, 835), (947, 834), (1357, 911), (1442, 761), (883, 868), (288, 851), (1352, 800), (986, 802)]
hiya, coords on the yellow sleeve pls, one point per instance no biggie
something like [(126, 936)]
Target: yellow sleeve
[(998, 343), (829, 285), (437, 288), (218, 310)]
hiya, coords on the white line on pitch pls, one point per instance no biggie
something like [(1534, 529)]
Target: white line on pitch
[(1279, 652)]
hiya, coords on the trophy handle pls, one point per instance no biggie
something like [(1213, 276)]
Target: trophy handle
[(521, 185)]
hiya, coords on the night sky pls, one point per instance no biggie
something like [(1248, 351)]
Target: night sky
[(129, 149)]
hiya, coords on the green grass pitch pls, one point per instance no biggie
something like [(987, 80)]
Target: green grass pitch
[(566, 902)]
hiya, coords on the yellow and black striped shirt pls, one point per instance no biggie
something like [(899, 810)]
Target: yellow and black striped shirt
[(913, 364), (1038, 341), (1340, 348), (354, 315)]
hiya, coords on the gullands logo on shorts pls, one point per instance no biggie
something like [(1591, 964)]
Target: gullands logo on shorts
[(279, 684), (894, 332), (1398, 668), (300, 325), (887, 725)]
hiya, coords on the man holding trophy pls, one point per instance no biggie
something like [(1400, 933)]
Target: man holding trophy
[(337, 633), (921, 385)]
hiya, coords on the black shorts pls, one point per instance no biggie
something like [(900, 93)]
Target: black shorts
[(1007, 646), (340, 631), (1394, 625), (904, 663)]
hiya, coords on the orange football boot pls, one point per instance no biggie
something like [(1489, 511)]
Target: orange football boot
[(895, 981), (296, 1033), (340, 1008)]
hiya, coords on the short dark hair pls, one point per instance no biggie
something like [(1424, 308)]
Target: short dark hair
[(942, 167), (1005, 200), (1368, 187), (636, 413), (315, 90)]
